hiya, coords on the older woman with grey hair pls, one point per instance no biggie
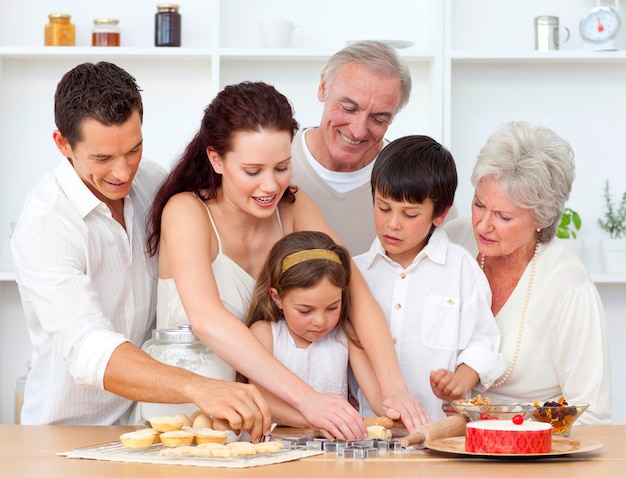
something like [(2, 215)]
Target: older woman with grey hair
[(549, 311)]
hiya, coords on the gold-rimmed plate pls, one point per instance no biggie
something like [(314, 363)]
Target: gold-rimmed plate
[(560, 447)]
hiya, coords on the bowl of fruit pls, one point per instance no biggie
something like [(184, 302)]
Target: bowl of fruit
[(560, 414), (463, 403), (500, 411)]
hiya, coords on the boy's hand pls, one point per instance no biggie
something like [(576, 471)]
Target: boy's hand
[(449, 385)]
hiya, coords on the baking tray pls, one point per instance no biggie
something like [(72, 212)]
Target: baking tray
[(115, 451)]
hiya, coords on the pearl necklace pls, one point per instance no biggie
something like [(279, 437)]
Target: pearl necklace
[(520, 331)]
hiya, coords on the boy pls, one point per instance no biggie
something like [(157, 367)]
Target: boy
[(435, 297)]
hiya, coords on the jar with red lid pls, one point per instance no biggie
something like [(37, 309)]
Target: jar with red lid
[(59, 31), (105, 32), (167, 25)]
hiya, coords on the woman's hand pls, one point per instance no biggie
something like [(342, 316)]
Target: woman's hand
[(402, 406), (334, 416)]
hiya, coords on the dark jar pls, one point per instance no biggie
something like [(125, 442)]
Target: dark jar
[(167, 25)]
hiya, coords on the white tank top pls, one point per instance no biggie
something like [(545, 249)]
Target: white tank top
[(323, 365)]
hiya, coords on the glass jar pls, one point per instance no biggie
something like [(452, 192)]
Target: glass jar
[(181, 348), (20, 384), (19, 398), (59, 31), (105, 32), (167, 25)]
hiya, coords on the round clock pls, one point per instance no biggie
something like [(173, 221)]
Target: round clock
[(599, 27)]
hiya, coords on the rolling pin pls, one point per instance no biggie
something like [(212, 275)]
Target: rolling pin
[(380, 421), (452, 426)]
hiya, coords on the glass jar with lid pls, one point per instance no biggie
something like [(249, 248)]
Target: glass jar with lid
[(105, 32), (181, 348), (167, 24), (59, 31)]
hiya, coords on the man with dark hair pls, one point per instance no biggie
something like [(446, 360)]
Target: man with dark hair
[(87, 285)]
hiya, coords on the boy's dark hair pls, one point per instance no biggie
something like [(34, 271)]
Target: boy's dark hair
[(102, 91), (414, 168)]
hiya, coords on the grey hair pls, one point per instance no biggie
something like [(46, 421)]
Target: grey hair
[(535, 167), (375, 56)]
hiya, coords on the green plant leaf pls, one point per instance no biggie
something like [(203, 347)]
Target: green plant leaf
[(568, 225)]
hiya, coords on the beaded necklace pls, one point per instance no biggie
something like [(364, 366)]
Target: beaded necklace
[(520, 331)]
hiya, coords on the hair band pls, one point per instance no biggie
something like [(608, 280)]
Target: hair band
[(302, 256)]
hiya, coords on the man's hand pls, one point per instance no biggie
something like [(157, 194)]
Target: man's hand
[(242, 405), (149, 380)]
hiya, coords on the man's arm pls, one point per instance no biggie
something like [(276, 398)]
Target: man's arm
[(133, 374)]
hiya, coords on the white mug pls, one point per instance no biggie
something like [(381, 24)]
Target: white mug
[(277, 33)]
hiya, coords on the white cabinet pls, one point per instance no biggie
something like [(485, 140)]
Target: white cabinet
[(472, 62)]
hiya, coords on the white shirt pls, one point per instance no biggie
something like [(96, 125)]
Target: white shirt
[(439, 314), (340, 181), (87, 286), (564, 349)]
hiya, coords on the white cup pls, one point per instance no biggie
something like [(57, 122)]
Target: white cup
[(277, 33)]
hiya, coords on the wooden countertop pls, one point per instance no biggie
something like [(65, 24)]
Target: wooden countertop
[(32, 451)]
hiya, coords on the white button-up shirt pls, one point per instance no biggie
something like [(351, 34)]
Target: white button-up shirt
[(439, 314), (87, 285)]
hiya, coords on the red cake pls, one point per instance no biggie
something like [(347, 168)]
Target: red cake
[(503, 437)]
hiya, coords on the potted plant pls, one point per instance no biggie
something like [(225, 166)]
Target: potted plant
[(569, 225), (614, 222)]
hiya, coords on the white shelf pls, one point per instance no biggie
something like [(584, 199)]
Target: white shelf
[(322, 54), (602, 278), (79, 52), (182, 53), (531, 56), (7, 276)]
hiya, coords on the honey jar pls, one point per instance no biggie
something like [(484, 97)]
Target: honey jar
[(59, 31), (105, 32)]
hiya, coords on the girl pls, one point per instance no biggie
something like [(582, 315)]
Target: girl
[(299, 311)]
